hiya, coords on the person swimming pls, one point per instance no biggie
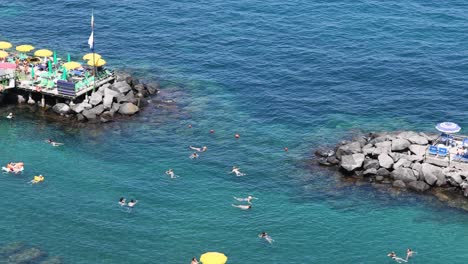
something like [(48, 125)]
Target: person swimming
[(409, 253), (122, 201), (53, 143), (202, 149), (267, 237), (37, 179), (194, 261), (243, 207), (248, 199), (236, 170), (170, 172), (10, 116), (132, 203), (194, 156), (393, 256)]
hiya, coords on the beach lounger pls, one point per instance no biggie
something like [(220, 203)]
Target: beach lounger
[(443, 152), (432, 150)]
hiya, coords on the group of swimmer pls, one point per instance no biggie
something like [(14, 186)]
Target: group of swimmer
[(409, 254), (247, 206), (195, 155), (131, 204), (14, 167)]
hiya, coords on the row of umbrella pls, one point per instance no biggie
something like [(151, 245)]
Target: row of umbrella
[(93, 59)]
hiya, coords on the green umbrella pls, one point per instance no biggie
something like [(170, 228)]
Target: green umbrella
[(69, 59), (32, 72), (64, 74), (49, 63), (55, 58)]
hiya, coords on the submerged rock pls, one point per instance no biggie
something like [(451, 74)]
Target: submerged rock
[(418, 186), (61, 108), (128, 109), (27, 256)]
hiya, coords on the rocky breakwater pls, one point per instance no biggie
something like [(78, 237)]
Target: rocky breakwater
[(399, 160), (126, 96)]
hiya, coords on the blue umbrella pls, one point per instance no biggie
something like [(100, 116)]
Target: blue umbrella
[(448, 127)]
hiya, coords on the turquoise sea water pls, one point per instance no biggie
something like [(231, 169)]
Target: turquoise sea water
[(299, 74)]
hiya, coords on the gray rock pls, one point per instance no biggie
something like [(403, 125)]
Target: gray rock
[(384, 144), (20, 99), (95, 98), (399, 184), (404, 174), (453, 177), (402, 163), (114, 108), (370, 164), (352, 162), (379, 178), (440, 162), (78, 108), (413, 137), (465, 192), (152, 88), (142, 94), (371, 171), (324, 152), (383, 172), (400, 144), (80, 118), (31, 101), (418, 186), (333, 160), (90, 115), (129, 97), (385, 161), (29, 255), (139, 87), (378, 139), (348, 149), (430, 137), (121, 87), (368, 149), (98, 109), (61, 108), (122, 76), (416, 166), (109, 96), (433, 175), (130, 109), (418, 150), (107, 117)]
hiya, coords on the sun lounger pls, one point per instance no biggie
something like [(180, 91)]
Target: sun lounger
[(432, 150), (442, 152)]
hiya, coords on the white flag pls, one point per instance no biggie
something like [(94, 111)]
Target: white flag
[(91, 40)]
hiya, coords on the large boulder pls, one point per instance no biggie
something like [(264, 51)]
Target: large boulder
[(385, 161), (324, 152), (402, 163), (152, 88), (95, 98), (129, 97), (418, 186), (371, 164), (453, 177), (383, 172), (382, 147), (109, 97), (371, 171), (106, 117), (352, 162), (368, 149), (432, 175), (413, 137), (129, 109), (403, 174), (378, 139), (121, 87), (399, 184), (431, 137), (89, 114), (78, 108), (400, 144), (348, 149), (139, 87), (61, 108), (97, 110), (418, 150)]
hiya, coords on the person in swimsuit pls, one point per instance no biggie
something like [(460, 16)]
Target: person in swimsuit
[(267, 237), (170, 172), (248, 199), (243, 207), (122, 201), (53, 143), (409, 253), (132, 203), (393, 256), (236, 170), (202, 149), (194, 156), (194, 261)]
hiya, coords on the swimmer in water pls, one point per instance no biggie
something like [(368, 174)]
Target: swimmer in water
[(170, 172), (10, 116), (122, 201), (53, 143), (267, 237), (194, 261), (37, 179), (132, 203), (194, 156), (248, 199), (409, 253), (243, 207), (393, 256), (202, 149), (236, 170)]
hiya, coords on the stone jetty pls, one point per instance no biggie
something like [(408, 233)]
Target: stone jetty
[(125, 96), (401, 160)]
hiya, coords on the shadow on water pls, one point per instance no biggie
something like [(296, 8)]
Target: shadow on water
[(20, 252)]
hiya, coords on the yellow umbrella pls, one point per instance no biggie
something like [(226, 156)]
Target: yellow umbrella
[(24, 48), (71, 65), (89, 56), (43, 53), (97, 62), (3, 54), (5, 45), (213, 258)]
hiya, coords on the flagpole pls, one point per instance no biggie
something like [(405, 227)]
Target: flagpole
[(94, 60)]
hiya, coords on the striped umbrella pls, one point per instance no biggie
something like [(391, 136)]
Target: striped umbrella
[(448, 127)]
